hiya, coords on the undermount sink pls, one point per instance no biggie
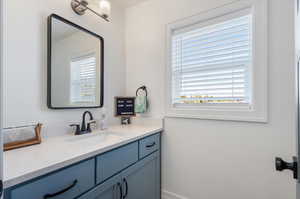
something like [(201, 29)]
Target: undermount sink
[(95, 136)]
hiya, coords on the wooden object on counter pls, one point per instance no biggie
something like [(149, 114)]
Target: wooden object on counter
[(18, 144)]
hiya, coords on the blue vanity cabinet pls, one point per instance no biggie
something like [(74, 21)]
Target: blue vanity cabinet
[(66, 183), (139, 181), (142, 180), (149, 145), (131, 171), (110, 189), (116, 160)]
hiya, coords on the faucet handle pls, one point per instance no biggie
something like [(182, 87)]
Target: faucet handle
[(77, 131), (89, 125)]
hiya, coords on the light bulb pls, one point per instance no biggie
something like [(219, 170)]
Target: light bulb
[(105, 7)]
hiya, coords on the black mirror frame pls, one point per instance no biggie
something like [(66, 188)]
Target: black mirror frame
[(49, 38)]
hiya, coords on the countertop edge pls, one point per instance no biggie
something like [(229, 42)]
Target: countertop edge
[(44, 171)]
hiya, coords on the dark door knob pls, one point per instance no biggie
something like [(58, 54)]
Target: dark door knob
[(282, 165), (1, 188)]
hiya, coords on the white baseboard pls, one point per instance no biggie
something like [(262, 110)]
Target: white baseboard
[(169, 195)]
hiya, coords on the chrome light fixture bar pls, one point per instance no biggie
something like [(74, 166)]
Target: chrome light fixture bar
[(81, 6)]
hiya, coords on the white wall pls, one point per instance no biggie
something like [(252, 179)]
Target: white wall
[(218, 159), (25, 72)]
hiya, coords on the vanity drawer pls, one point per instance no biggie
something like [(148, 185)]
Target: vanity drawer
[(115, 161), (66, 183), (149, 145)]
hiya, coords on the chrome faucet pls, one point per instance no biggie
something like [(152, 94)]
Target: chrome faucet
[(84, 128)]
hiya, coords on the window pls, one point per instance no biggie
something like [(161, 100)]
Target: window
[(211, 64), (217, 64), (83, 79)]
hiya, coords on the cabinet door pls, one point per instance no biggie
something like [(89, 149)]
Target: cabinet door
[(142, 180), (111, 189)]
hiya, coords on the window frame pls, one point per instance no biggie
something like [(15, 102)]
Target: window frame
[(218, 20), (257, 110)]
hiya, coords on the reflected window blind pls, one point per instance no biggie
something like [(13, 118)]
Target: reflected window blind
[(211, 64), (83, 80)]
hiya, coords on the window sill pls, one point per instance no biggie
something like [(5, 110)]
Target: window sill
[(219, 117), (229, 112)]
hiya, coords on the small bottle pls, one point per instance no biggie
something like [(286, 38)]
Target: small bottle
[(103, 120)]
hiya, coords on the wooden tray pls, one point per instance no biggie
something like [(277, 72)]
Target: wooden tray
[(24, 143)]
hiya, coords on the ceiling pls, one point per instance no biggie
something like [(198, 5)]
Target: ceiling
[(128, 3), (62, 30), (123, 3)]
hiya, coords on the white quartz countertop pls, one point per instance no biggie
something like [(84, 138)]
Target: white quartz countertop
[(55, 153)]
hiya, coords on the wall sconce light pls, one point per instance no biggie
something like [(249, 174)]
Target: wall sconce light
[(81, 6)]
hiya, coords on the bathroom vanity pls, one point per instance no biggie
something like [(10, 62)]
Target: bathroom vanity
[(122, 162)]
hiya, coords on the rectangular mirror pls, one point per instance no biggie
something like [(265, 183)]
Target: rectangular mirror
[(75, 66)]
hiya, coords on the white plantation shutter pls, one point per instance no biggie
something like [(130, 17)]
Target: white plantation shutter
[(83, 80), (211, 64)]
